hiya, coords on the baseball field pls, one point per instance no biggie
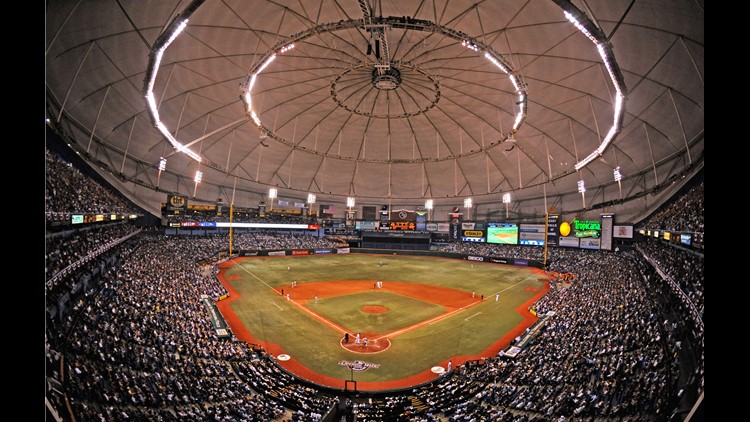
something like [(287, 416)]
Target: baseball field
[(417, 313)]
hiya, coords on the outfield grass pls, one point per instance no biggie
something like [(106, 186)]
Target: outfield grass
[(270, 318)]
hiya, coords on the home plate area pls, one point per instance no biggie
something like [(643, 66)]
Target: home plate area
[(368, 343)]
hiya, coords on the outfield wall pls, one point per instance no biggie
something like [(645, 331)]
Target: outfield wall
[(321, 251)]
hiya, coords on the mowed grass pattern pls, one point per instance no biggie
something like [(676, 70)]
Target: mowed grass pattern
[(271, 318), (346, 311)]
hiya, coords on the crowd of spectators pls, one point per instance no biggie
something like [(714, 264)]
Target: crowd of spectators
[(683, 290), (603, 352), (684, 268), (144, 348), (244, 216), (270, 240), (66, 248), (684, 213), (68, 191), (491, 249)]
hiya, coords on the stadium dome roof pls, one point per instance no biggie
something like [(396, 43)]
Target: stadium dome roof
[(389, 102)]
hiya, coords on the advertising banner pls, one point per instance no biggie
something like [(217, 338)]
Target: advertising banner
[(624, 232), (177, 203), (403, 215), (570, 242), (531, 234), (421, 220), (473, 236), (443, 227), (454, 233), (590, 243), (586, 228)]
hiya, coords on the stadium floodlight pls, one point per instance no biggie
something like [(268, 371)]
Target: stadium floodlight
[(311, 198), (350, 202), (467, 203), (582, 191), (162, 167), (506, 198), (618, 179), (198, 177), (428, 204), (272, 194)]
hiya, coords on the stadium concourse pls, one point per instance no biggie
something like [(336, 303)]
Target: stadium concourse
[(128, 338)]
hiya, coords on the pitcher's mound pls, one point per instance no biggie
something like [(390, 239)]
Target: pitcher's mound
[(375, 344), (374, 309)]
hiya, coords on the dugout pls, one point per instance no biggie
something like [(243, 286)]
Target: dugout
[(399, 240)]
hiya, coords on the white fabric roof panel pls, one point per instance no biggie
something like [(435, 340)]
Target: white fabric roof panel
[(434, 135)]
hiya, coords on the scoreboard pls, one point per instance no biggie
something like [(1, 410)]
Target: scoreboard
[(553, 223)]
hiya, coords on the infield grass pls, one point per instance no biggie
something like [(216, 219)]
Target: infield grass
[(347, 311)]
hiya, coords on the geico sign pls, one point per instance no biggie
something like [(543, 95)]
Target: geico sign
[(475, 258)]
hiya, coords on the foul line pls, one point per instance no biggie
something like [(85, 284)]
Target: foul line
[(443, 316), (276, 305), (510, 287), (309, 312), (466, 319), (257, 278)]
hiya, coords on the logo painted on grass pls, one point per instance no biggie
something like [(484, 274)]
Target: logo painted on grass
[(358, 365)]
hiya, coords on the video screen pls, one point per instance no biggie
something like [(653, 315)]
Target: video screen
[(502, 233), (686, 239)]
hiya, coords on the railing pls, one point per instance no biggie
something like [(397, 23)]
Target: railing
[(676, 289), (93, 254)]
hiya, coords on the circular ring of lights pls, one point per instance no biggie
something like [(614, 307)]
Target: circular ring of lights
[(386, 83), (394, 22), (579, 19)]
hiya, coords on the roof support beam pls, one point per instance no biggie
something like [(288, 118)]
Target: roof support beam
[(73, 81), (127, 145), (52, 41), (682, 127), (98, 113)]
